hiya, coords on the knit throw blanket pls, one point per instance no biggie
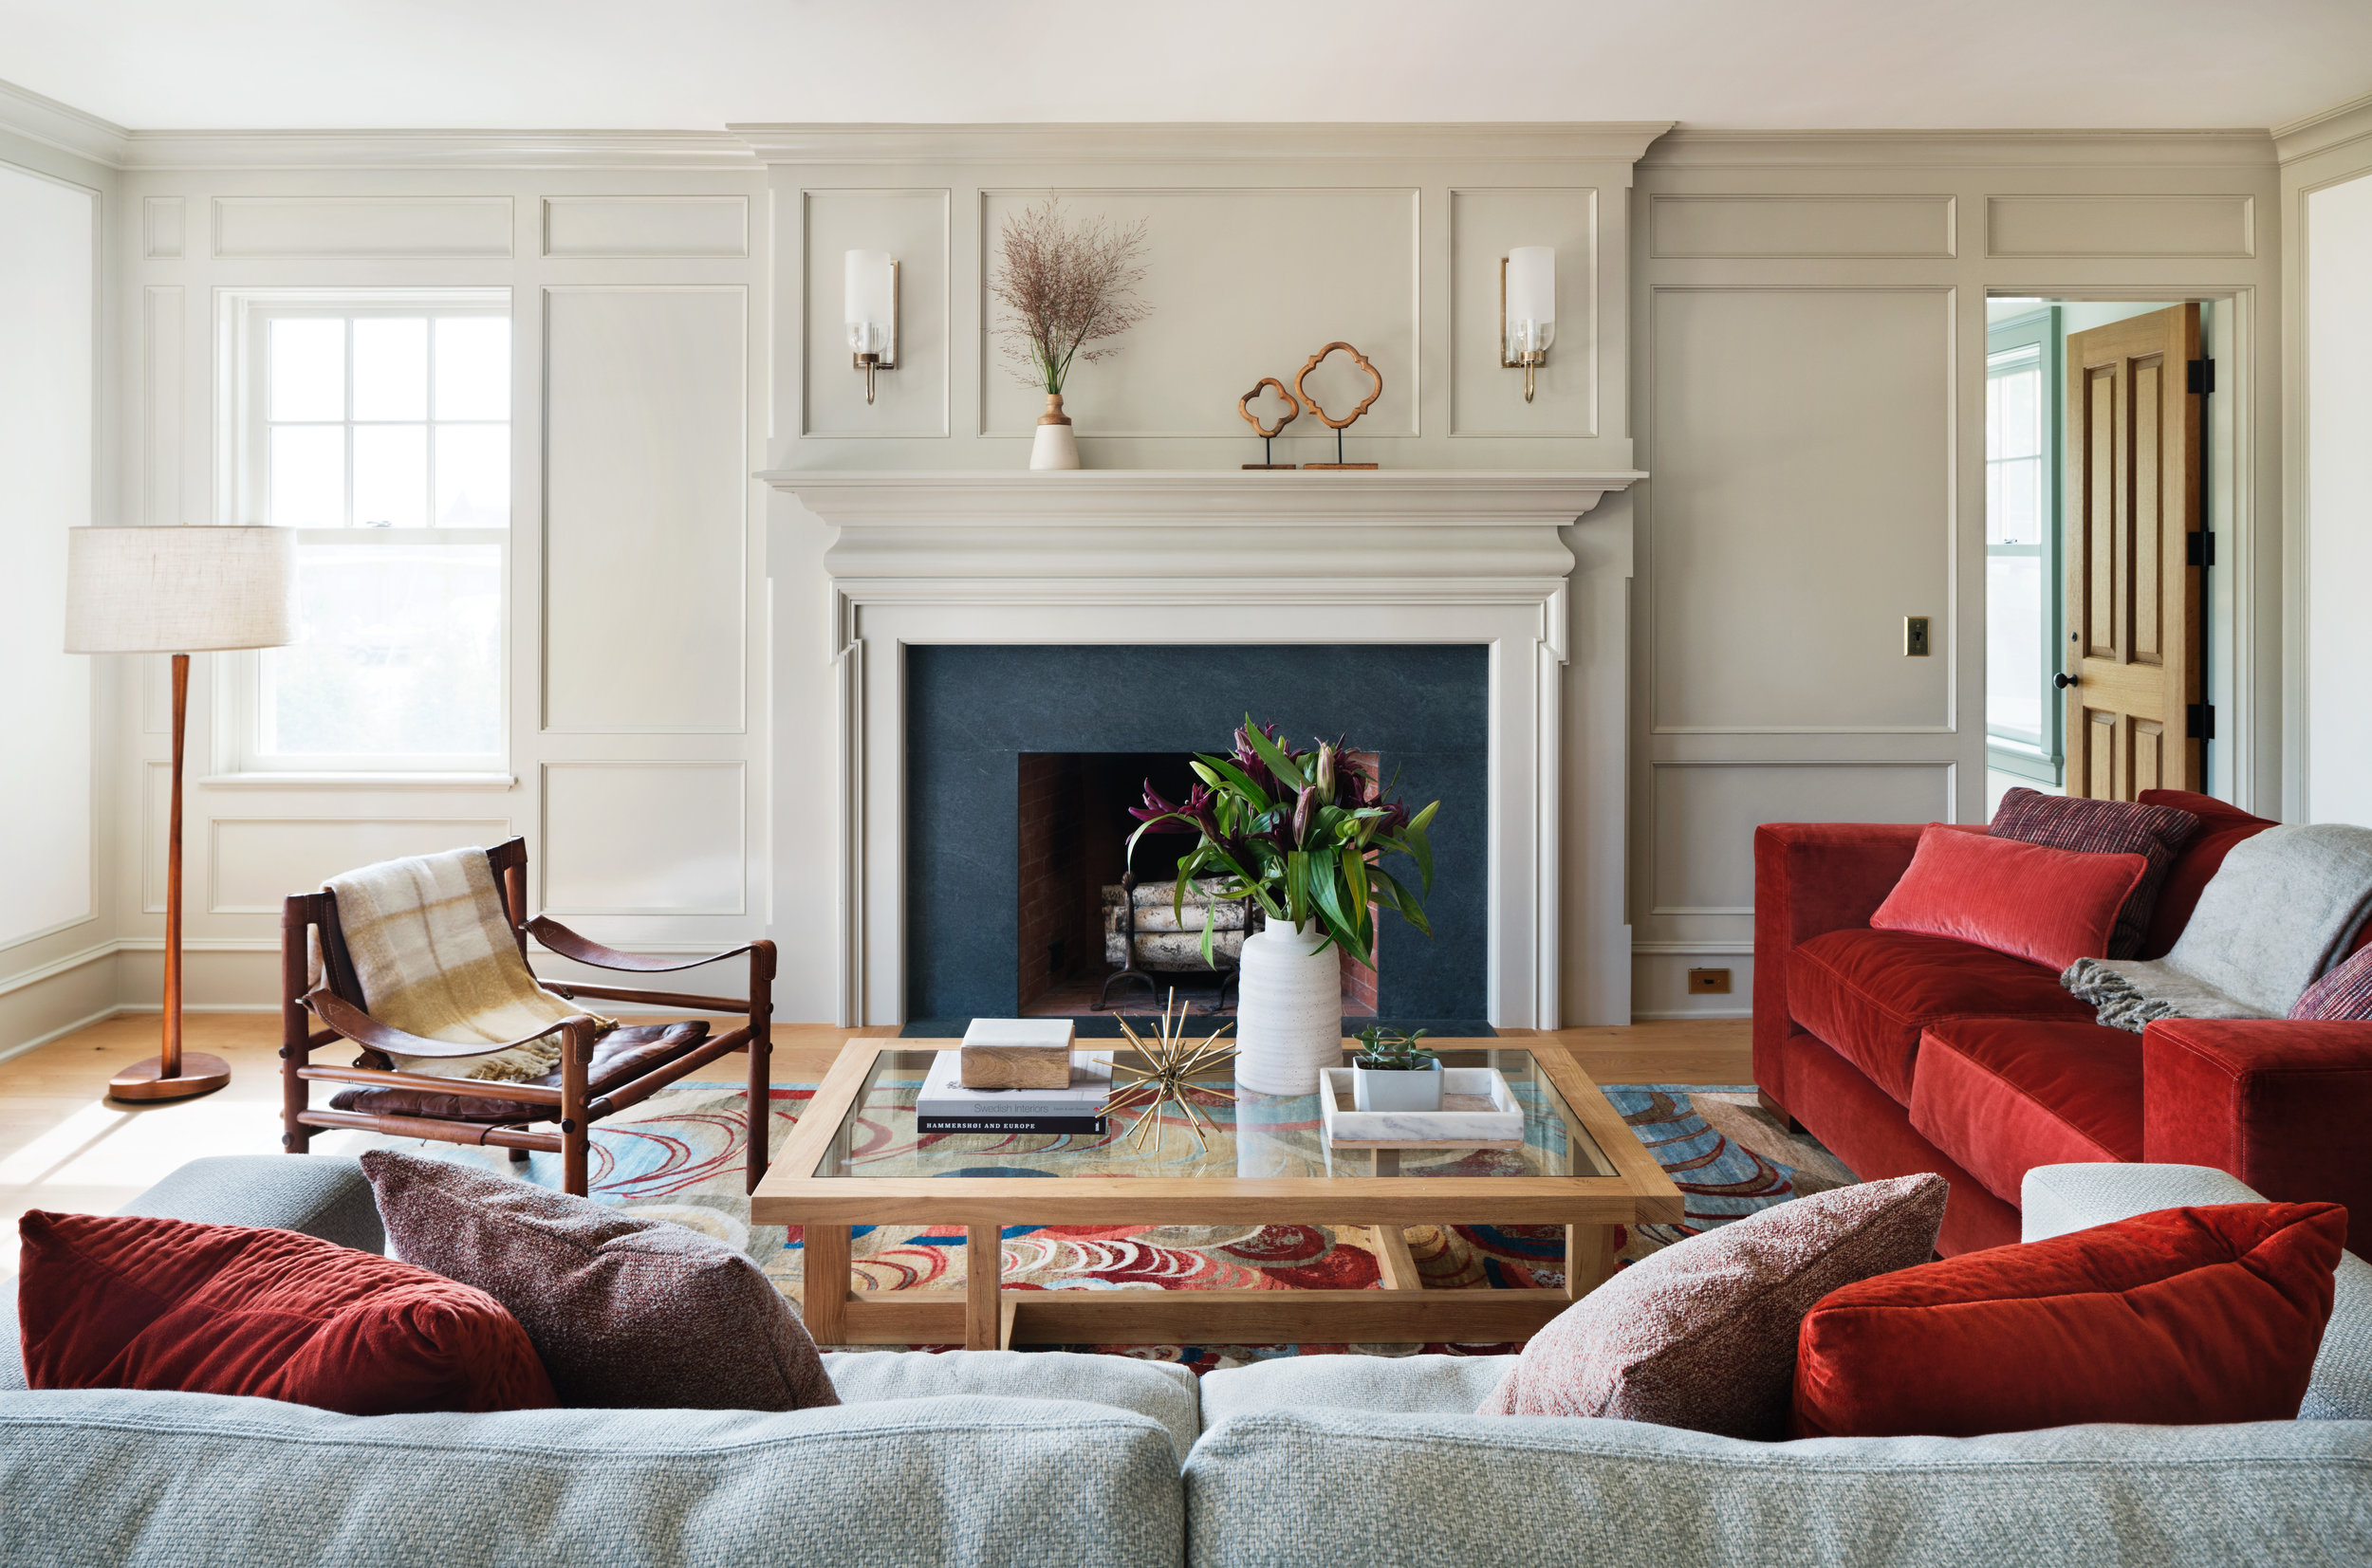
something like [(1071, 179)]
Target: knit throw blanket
[(2281, 910), (436, 958)]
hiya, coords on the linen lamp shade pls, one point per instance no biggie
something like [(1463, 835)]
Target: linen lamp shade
[(178, 590)]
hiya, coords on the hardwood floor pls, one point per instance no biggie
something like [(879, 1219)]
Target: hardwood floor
[(64, 1145)]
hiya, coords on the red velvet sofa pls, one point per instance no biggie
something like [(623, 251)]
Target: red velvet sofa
[(1904, 1052)]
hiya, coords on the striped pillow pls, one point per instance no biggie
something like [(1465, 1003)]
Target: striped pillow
[(2156, 833), (2345, 992)]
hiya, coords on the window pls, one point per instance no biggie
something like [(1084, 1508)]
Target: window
[(379, 428), (2021, 548)]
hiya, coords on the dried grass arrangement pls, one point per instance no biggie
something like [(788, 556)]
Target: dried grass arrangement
[(1064, 287)]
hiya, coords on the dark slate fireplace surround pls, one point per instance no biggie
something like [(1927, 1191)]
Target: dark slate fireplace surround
[(972, 712)]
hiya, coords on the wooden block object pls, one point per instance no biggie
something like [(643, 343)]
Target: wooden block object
[(1017, 1052)]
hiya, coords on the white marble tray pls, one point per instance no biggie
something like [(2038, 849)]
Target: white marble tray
[(1478, 1111)]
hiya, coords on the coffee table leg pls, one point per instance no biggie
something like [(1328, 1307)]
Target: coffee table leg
[(984, 1259), (1588, 1258), (824, 1299)]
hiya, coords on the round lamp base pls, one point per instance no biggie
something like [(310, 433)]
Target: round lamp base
[(201, 1074)]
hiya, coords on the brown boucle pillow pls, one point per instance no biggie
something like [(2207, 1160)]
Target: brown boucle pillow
[(1703, 1334), (627, 1313)]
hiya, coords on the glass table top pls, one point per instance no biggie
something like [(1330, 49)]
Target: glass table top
[(1243, 1134)]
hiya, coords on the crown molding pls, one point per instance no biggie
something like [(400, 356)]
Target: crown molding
[(2323, 130), (61, 125), (1717, 149), (1204, 142), (162, 150)]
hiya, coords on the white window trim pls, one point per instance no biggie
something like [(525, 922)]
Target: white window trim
[(241, 321)]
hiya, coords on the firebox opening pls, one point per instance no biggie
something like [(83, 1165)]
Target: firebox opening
[(1071, 850)]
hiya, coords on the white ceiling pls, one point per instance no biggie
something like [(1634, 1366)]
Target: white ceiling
[(699, 64)]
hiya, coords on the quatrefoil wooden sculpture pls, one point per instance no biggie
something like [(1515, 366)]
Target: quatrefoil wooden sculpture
[(1300, 393), (1269, 433)]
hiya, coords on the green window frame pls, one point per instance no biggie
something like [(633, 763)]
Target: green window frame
[(2024, 364)]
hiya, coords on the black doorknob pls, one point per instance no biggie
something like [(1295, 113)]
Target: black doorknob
[(2063, 680)]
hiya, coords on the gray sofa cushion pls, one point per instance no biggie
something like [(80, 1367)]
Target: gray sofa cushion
[(120, 1478), (2056, 1199), (319, 1194), (1406, 1385), (1162, 1390), (1383, 1490)]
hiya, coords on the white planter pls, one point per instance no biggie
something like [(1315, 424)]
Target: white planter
[(1288, 1015), (1056, 446), (1396, 1089)]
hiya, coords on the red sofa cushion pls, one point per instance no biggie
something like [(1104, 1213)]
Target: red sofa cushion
[(2002, 1095), (2051, 906), (129, 1302), (2186, 1315), (1869, 994), (2222, 825)]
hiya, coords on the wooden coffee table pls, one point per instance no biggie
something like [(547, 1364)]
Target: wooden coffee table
[(855, 1159)]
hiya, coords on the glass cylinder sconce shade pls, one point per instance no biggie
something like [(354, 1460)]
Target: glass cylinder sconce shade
[(871, 313), (1528, 309)]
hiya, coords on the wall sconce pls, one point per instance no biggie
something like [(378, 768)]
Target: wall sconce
[(1528, 309), (872, 313)]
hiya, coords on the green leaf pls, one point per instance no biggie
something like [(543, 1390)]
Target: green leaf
[(1287, 770), (1411, 911), (1231, 781), (1424, 820), (1420, 848)]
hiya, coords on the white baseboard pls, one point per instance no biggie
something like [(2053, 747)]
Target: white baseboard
[(1666, 1014)]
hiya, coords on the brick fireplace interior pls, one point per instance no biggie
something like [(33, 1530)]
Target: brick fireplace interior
[(1071, 838)]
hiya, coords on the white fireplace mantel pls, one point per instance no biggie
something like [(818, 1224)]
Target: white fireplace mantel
[(1118, 556)]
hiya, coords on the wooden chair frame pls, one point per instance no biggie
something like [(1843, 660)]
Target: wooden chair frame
[(339, 1003)]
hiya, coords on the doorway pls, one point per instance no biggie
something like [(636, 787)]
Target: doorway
[(2097, 548)]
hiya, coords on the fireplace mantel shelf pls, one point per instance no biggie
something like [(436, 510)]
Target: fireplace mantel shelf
[(1311, 497)]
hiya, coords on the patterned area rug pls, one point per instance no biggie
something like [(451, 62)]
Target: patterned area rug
[(678, 1157)]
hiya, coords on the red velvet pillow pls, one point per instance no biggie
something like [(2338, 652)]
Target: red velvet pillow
[(128, 1301), (2187, 1316), (2050, 906)]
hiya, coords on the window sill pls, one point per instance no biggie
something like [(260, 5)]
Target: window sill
[(360, 780)]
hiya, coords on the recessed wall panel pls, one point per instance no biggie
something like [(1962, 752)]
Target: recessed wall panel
[(1801, 506), (2187, 226), (255, 863), (163, 328), (910, 401), (1243, 283), (1485, 398), (1705, 817), (327, 228), (643, 838), (1776, 228), (611, 227), (164, 219), (645, 489)]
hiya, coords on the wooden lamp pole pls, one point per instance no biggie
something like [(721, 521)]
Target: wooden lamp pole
[(173, 590)]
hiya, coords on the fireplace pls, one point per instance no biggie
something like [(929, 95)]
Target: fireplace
[(1021, 762), (1073, 576)]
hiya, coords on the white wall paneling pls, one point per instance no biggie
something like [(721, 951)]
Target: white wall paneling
[(254, 862), (1809, 332), (164, 323), (913, 226), (1486, 399), (631, 837), (2218, 226), (1802, 228), (612, 228), (378, 226), (646, 484), (165, 218), (50, 322)]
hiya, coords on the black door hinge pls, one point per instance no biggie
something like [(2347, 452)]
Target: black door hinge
[(2199, 548), (2202, 376), (2200, 724)]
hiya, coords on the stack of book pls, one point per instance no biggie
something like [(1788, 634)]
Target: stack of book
[(944, 1105)]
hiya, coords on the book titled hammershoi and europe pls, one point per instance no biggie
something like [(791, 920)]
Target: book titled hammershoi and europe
[(944, 1105)]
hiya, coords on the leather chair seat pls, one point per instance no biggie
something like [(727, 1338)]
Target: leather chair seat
[(620, 1056)]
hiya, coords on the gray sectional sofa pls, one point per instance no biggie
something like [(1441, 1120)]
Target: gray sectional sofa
[(1046, 1459)]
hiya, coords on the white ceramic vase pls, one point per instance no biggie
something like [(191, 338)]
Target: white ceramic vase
[(1057, 446), (1288, 1012)]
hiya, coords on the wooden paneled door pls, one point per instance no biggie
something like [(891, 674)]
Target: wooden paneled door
[(2135, 710)]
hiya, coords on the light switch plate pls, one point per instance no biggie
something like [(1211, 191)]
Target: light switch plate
[(1914, 637)]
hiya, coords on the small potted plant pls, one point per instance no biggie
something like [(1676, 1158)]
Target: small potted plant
[(1392, 1072)]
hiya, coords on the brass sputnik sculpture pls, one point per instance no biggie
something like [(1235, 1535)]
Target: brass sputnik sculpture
[(1170, 1063)]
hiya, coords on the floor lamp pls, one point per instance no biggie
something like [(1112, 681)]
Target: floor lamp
[(179, 591)]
